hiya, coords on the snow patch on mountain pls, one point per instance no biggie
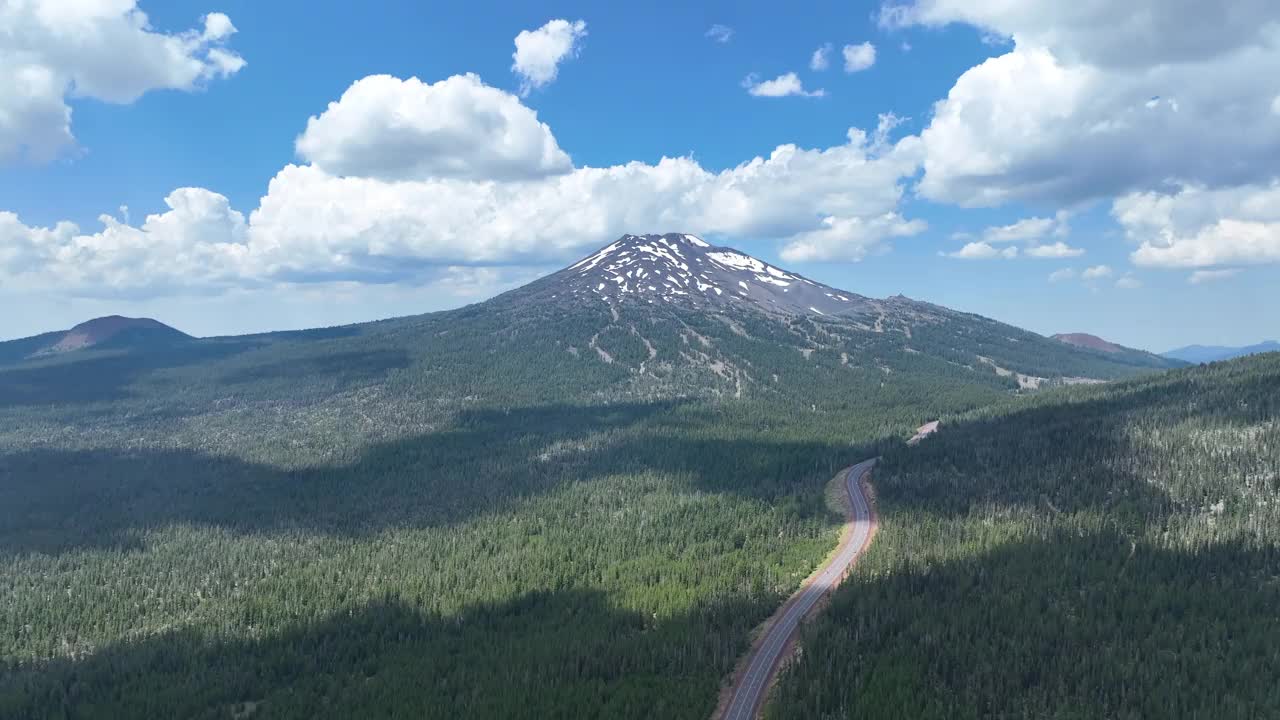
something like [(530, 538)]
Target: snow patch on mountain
[(685, 268)]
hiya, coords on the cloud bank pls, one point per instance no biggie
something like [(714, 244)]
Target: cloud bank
[(404, 177)]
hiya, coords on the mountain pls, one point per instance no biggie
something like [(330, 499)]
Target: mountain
[(672, 278), (101, 333), (647, 316), (1118, 352), (1213, 353)]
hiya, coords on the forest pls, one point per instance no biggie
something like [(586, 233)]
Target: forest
[(389, 521), (476, 514), (1109, 551)]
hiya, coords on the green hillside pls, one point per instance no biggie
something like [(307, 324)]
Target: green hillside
[(1105, 552)]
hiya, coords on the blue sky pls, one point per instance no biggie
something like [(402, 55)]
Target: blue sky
[(1100, 136)]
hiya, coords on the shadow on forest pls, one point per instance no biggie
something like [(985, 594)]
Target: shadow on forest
[(946, 641), (1138, 632), (565, 654), (104, 374), (1092, 623), (488, 461), (344, 367), (104, 377), (1053, 441)]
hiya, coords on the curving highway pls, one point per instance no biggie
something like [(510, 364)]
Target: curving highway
[(766, 654)]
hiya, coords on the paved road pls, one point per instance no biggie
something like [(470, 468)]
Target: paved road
[(766, 654)]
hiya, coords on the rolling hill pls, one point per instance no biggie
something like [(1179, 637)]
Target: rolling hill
[(1092, 342), (1118, 352), (113, 332)]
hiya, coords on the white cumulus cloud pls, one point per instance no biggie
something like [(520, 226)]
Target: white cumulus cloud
[(1198, 227), (392, 129), (539, 52), (982, 250), (849, 239), (1137, 33), (781, 86), (821, 58), (858, 57), (1101, 100), (101, 49), (1097, 272), (1027, 232), (1030, 229), (1064, 116), (199, 242)]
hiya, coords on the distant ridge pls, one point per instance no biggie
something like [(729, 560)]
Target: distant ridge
[(1213, 353)]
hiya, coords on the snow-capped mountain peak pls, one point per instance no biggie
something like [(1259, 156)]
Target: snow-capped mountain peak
[(683, 268)]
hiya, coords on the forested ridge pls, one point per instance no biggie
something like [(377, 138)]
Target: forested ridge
[(1098, 552)]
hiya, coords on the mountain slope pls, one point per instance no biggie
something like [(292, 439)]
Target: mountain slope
[(1213, 353)]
